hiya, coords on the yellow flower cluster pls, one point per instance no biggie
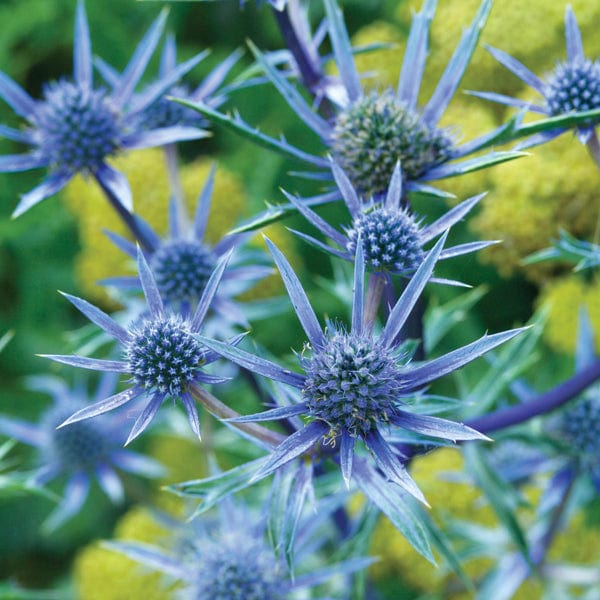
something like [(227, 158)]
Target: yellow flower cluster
[(532, 198), (147, 175), (102, 574), (538, 46), (563, 296)]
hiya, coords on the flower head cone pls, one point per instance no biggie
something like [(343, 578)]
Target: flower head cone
[(160, 353), (392, 237), (183, 261), (77, 126), (81, 452), (228, 558), (357, 386), (577, 426), (573, 86), (370, 132)]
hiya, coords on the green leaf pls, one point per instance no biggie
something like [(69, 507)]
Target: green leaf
[(238, 125), (211, 490), (501, 496), (440, 319), (6, 338), (397, 506)]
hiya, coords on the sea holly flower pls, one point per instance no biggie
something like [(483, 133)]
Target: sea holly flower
[(81, 452), (161, 353), (228, 558), (392, 237), (357, 385), (573, 86), (368, 133), (76, 126), (183, 262), (161, 112)]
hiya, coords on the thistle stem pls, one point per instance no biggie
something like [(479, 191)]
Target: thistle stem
[(127, 218), (172, 160), (309, 72), (542, 546), (375, 290), (540, 405), (218, 409), (593, 147)]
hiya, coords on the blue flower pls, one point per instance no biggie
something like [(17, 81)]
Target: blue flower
[(357, 385), (368, 133), (183, 262), (161, 112), (573, 86), (81, 451), (161, 353), (391, 236), (76, 127), (228, 558)]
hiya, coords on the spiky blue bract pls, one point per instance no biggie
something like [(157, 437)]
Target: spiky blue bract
[(227, 557), (182, 262), (572, 87), (79, 452), (160, 353), (368, 133), (77, 126), (392, 237), (358, 385)]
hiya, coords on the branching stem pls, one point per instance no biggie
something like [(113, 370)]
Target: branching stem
[(218, 409)]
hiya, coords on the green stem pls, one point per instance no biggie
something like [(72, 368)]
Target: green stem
[(218, 409)]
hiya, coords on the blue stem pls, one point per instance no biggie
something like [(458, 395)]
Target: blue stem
[(556, 397), (128, 218)]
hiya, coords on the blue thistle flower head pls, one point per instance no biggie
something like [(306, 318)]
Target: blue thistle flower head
[(352, 383), (376, 131), (237, 567), (227, 557), (163, 355), (182, 262), (160, 353), (82, 451), (392, 237), (368, 133), (182, 269), (158, 111), (356, 385), (579, 427), (573, 86), (77, 126), (166, 113)]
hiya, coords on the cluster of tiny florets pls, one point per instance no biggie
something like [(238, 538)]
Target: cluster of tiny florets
[(390, 239), (78, 127), (580, 427), (574, 87), (377, 131), (163, 355), (182, 269), (80, 445), (231, 568), (352, 383), (168, 113)]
